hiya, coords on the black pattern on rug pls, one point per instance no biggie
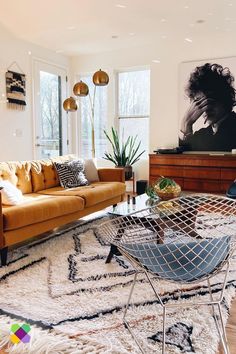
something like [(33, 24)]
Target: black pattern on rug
[(5, 276), (178, 335), (165, 299)]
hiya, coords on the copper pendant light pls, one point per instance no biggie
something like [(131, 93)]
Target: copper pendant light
[(100, 78), (81, 89), (70, 105)]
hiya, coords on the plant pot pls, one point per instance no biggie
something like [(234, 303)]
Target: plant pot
[(128, 171), (168, 192)]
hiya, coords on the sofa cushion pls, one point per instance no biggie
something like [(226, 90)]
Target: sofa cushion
[(10, 194), (93, 194), (71, 173), (37, 208), (44, 174), (91, 171), (18, 173)]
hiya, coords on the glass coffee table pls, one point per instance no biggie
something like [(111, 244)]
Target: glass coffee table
[(141, 202), (134, 216), (135, 204)]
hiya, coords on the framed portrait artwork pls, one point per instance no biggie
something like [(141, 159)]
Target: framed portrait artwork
[(207, 118)]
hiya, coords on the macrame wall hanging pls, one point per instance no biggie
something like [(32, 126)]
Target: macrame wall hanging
[(15, 88)]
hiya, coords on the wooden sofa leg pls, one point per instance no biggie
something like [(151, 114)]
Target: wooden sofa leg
[(3, 253)]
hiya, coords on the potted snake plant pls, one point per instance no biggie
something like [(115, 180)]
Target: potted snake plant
[(124, 153)]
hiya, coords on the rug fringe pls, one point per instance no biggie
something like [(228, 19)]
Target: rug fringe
[(42, 341)]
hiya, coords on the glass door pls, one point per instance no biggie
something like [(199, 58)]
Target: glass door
[(50, 138)]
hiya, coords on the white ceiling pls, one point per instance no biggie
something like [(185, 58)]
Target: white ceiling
[(75, 27)]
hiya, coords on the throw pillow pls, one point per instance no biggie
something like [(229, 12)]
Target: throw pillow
[(91, 171), (71, 173), (10, 194)]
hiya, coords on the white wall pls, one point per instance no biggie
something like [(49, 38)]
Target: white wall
[(16, 122), (164, 81)]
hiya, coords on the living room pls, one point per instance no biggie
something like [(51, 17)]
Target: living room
[(74, 40)]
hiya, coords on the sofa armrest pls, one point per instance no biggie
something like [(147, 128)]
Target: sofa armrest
[(111, 174), (1, 222)]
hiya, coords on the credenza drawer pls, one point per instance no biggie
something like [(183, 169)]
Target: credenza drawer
[(201, 185), (201, 172), (167, 171), (228, 174)]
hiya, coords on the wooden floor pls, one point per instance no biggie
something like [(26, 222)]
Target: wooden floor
[(230, 329)]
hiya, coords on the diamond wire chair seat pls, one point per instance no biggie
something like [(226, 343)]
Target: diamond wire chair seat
[(186, 240)]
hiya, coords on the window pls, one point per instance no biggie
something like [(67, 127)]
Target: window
[(134, 106), (50, 122), (100, 119), (50, 88)]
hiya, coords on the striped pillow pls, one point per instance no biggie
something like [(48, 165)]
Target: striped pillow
[(71, 173)]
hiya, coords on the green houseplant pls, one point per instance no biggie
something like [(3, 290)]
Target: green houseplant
[(124, 154), (165, 188)]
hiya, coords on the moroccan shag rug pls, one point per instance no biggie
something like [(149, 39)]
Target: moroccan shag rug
[(74, 302)]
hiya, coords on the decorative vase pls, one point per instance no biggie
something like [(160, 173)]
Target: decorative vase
[(167, 188), (128, 172)]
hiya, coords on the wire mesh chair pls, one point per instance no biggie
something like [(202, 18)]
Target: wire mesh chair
[(186, 240)]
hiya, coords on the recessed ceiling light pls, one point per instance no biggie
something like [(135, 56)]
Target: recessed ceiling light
[(29, 52), (186, 7), (163, 36), (163, 20), (188, 40), (121, 6), (156, 61), (200, 21), (230, 4), (114, 36)]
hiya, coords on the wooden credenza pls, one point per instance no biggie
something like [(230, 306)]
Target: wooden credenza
[(195, 172)]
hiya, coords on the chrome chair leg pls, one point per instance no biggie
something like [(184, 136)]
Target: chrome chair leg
[(130, 295), (164, 330), (221, 331), (126, 324), (163, 314), (224, 337)]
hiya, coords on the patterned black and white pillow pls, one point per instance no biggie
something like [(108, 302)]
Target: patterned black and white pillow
[(71, 173)]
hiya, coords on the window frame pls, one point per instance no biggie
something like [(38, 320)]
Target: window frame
[(120, 117)]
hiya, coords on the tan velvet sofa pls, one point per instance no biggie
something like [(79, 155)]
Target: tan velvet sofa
[(46, 204)]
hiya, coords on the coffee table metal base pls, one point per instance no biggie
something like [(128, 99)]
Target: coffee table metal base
[(113, 251)]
